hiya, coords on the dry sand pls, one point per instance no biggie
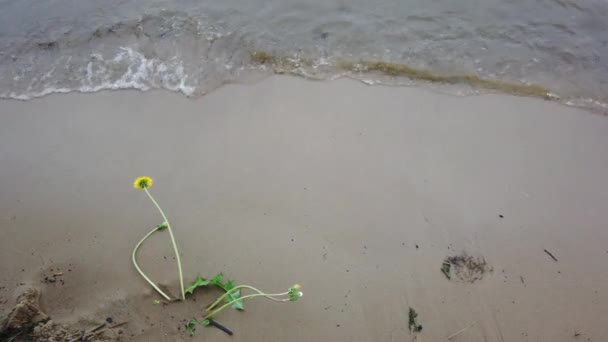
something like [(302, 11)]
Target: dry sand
[(358, 193)]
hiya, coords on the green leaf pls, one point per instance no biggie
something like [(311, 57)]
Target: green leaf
[(205, 323), (229, 285), (217, 280), (238, 305), (191, 326), (199, 282), (156, 302), (162, 226)]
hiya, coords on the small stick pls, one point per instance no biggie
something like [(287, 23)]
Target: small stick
[(221, 327), (82, 334), (96, 328), (551, 255), (14, 337), (459, 332), (57, 274), (118, 324), (91, 332)]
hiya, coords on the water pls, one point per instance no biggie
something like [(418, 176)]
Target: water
[(195, 46)]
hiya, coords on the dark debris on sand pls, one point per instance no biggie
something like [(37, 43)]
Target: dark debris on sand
[(27, 322), (465, 267)]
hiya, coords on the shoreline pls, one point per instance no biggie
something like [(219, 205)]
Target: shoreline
[(385, 74), (358, 193)]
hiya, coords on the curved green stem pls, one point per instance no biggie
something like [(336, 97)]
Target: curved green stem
[(139, 269), (179, 263), (241, 287), (243, 298)]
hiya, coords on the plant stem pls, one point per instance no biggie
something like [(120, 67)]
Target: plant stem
[(139, 269), (237, 288), (179, 263), (243, 298)]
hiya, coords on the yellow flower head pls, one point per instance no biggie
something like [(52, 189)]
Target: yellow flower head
[(143, 182)]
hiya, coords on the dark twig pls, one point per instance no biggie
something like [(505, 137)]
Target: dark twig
[(221, 327), (551, 255)]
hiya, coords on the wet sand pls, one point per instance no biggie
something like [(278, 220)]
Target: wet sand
[(358, 193)]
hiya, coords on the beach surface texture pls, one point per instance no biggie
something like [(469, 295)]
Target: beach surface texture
[(486, 215)]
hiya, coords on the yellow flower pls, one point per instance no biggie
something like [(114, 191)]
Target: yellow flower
[(143, 182)]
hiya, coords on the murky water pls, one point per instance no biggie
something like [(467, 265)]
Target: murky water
[(195, 46)]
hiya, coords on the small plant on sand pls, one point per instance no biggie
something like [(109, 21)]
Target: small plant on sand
[(412, 321), (231, 297)]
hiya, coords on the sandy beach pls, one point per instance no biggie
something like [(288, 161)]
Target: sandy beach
[(357, 193)]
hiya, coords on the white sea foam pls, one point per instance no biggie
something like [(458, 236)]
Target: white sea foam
[(140, 73)]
